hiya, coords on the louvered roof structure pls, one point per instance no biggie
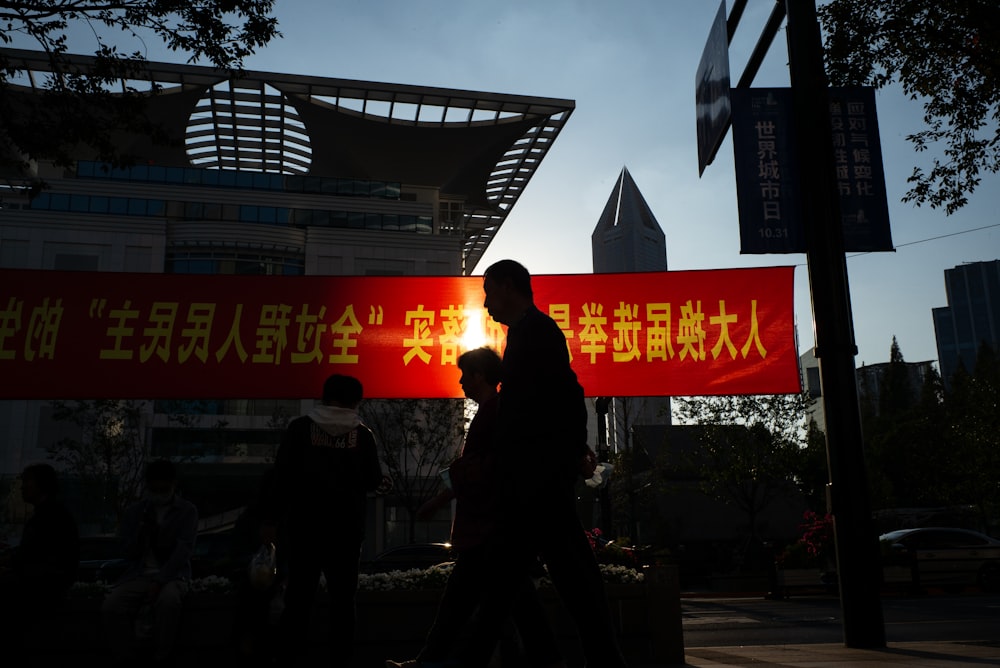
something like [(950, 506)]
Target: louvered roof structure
[(481, 148)]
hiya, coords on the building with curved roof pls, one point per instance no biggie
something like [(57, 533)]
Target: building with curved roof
[(268, 174), (391, 157)]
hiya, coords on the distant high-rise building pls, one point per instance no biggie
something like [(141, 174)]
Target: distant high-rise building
[(971, 317), (870, 379), (627, 238)]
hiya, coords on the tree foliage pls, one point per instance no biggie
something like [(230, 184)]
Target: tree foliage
[(419, 437), (108, 450), (945, 53), (935, 449), (973, 421), (751, 447), (84, 108)]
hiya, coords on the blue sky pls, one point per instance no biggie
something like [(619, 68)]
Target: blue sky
[(630, 67)]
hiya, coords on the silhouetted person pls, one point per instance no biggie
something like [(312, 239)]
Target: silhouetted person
[(44, 565), (158, 533), (325, 466), (472, 481), (542, 451)]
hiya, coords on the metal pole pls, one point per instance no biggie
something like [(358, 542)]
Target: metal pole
[(604, 455), (858, 560)]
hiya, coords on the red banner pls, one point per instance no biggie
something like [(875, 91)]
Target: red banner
[(75, 335)]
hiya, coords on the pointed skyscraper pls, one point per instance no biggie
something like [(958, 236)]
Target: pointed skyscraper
[(627, 236)]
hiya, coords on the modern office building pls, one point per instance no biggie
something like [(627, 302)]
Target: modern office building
[(270, 174), (971, 318), (628, 238)]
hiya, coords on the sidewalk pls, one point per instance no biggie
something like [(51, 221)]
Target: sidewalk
[(923, 654), (822, 655)]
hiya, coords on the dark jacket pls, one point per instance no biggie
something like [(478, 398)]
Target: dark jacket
[(543, 414), (473, 480), (325, 466)]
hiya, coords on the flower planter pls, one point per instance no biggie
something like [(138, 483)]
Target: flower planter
[(800, 577), (646, 615)]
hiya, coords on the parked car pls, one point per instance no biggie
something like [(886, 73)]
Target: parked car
[(941, 556), (405, 557)]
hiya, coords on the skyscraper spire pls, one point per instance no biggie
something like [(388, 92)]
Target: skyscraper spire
[(627, 236)]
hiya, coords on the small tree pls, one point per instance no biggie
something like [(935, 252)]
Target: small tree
[(750, 449), (973, 407), (419, 437), (109, 454)]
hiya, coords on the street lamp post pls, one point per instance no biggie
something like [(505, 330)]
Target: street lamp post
[(858, 561)]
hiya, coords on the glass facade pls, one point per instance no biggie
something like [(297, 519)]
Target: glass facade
[(247, 213), (971, 318), (246, 180)]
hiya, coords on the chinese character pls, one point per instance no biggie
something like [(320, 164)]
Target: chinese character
[(10, 323), (120, 331), (754, 337), (625, 343), (690, 334), (593, 335), (310, 329), (345, 332), (43, 326), (272, 332), (199, 318), (233, 339), (453, 322), (723, 320), (161, 319), (659, 342), (421, 319)]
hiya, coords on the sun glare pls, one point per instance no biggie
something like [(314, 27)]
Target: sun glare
[(474, 335)]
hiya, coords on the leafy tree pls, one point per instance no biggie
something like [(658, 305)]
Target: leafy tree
[(80, 108), (751, 448), (108, 452), (946, 53), (889, 433), (973, 407), (419, 437), (813, 473)]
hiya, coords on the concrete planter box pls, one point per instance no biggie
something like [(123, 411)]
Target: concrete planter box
[(790, 580)]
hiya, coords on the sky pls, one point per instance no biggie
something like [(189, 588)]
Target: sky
[(630, 67)]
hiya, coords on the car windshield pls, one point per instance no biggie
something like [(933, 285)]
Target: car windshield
[(895, 535)]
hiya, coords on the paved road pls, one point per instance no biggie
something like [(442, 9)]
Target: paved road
[(818, 619)]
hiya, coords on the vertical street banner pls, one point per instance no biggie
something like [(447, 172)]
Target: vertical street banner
[(80, 335), (864, 205), (767, 182), (767, 187)]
